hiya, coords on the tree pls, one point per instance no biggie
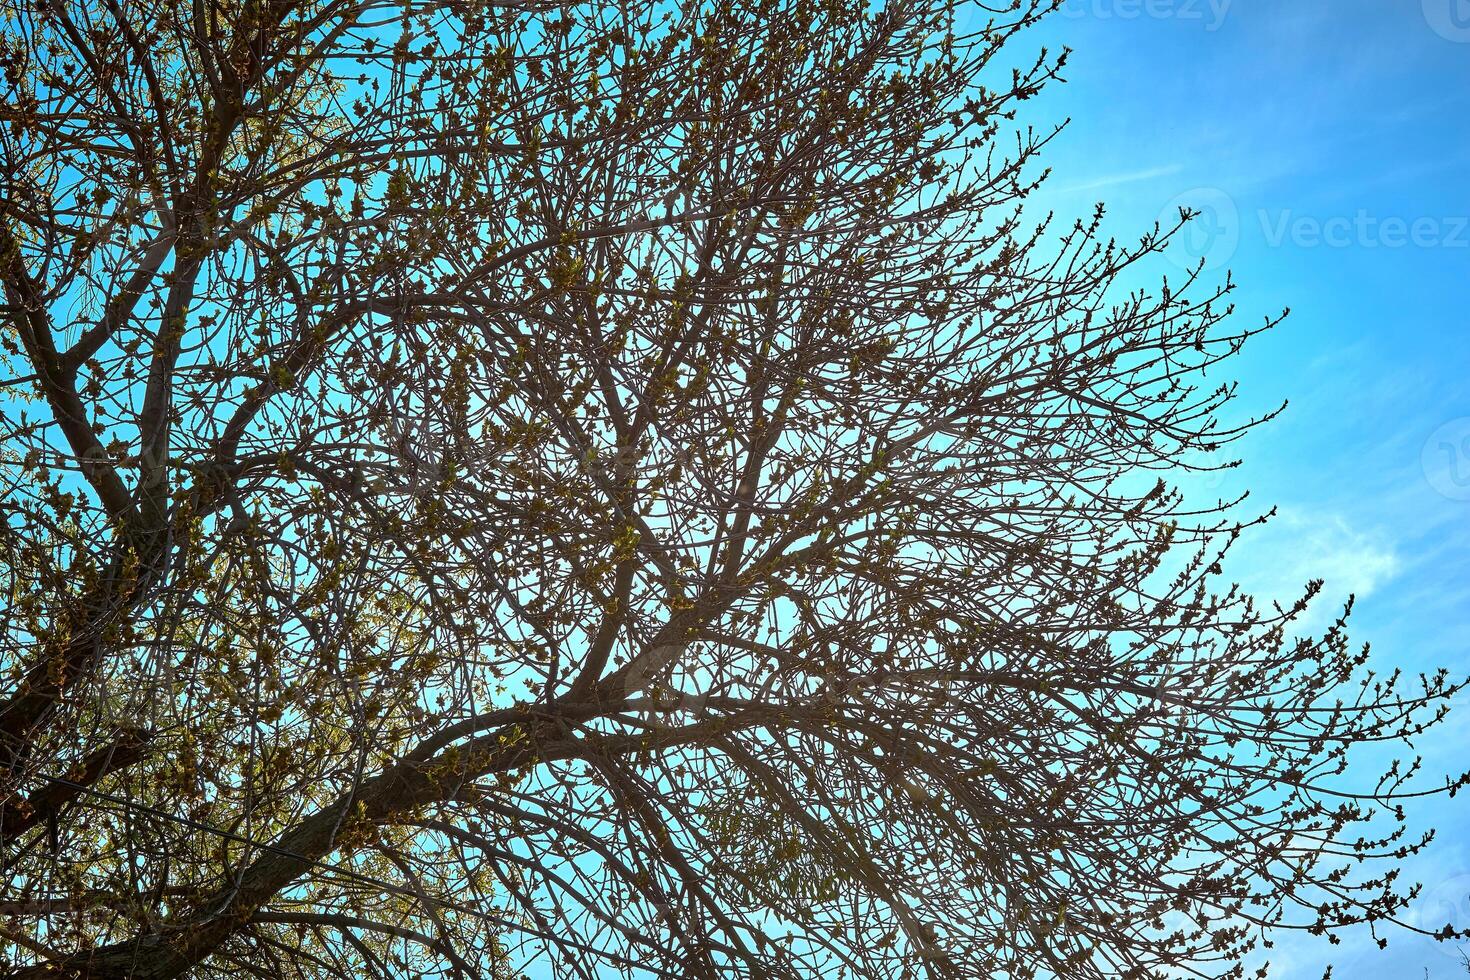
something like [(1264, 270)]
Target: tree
[(626, 482)]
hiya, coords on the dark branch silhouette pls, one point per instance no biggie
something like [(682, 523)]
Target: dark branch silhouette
[(627, 484)]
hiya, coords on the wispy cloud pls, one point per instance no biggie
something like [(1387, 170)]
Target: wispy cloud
[(1277, 561), (1114, 180)]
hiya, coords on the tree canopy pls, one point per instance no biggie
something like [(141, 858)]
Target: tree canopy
[(631, 485)]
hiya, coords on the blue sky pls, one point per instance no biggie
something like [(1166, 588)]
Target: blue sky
[(1329, 142)]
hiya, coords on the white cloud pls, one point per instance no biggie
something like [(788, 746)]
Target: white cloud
[(1277, 561), (1113, 180)]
